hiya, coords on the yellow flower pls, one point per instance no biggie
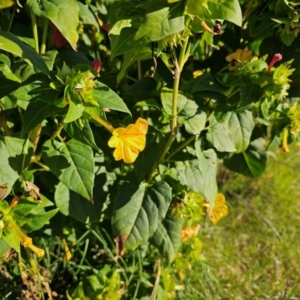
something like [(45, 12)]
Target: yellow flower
[(129, 141), (220, 209), (240, 56)]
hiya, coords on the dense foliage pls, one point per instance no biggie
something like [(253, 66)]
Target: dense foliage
[(114, 117)]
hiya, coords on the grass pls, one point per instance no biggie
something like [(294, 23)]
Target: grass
[(253, 253)]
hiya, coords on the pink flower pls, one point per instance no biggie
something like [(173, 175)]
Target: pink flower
[(276, 57)]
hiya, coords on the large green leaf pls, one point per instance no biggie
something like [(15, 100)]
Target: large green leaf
[(167, 237), (138, 209), (11, 44), (200, 174), (250, 163), (6, 3), (81, 131), (240, 127), (107, 98), (72, 163), (36, 112), (229, 10), (160, 23), (167, 102), (219, 137), (63, 14)]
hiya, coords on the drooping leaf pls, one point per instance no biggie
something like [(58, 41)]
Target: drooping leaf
[(240, 126), (63, 14), (72, 163), (7, 86), (251, 162), (167, 237), (219, 137), (138, 209), (11, 44)]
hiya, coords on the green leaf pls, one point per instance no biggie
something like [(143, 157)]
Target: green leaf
[(37, 221), (250, 163), (12, 239), (200, 174), (219, 137), (7, 86), (4, 247), (240, 127), (75, 111), (161, 23), (167, 237), (6, 3), (229, 10), (249, 95), (11, 44), (167, 101), (63, 14), (146, 159), (107, 98), (130, 57), (81, 131), (74, 205), (36, 112), (138, 209), (195, 124), (72, 163)]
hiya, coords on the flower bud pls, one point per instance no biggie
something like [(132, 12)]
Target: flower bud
[(96, 64)]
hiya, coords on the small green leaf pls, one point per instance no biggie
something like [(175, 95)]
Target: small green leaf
[(12, 239), (167, 237), (63, 14), (107, 98), (138, 209), (250, 163), (219, 137), (11, 44), (72, 163), (166, 99)]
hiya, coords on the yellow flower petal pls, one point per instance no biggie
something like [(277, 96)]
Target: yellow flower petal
[(240, 55), (220, 209), (129, 141)]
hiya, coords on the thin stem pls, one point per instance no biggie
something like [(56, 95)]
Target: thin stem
[(139, 78), (285, 135), (32, 262), (25, 152), (104, 124), (178, 65), (44, 39), (35, 32), (181, 146), (58, 130), (12, 18)]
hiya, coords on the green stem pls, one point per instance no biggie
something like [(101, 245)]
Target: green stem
[(35, 32), (44, 39), (181, 146), (25, 152), (12, 18), (179, 66), (58, 130)]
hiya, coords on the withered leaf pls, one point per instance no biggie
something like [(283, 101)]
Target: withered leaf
[(32, 190), (120, 245), (3, 191)]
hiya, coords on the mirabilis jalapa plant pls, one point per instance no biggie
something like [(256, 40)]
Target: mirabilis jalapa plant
[(158, 140)]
